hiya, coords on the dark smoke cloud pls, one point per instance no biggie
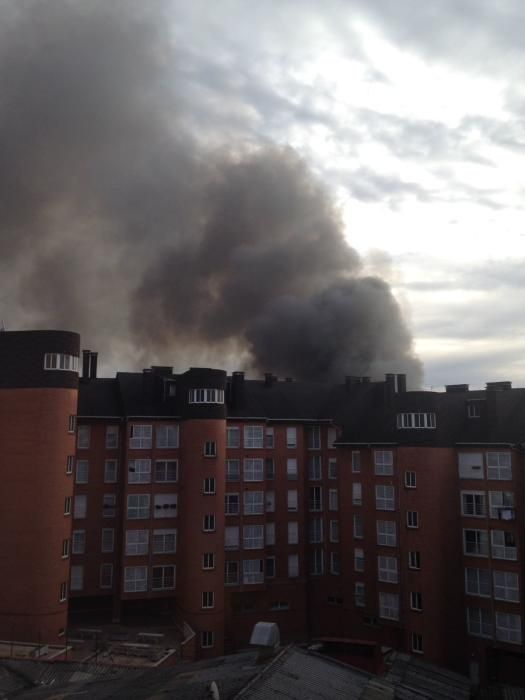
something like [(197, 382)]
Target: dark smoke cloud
[(113, 221)]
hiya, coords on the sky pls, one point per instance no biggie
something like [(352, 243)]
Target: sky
[(129, 128), (412, 114)]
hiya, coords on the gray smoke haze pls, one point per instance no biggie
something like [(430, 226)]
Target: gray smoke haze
[(115, 221)]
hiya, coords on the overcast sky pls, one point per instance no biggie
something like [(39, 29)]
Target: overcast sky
[(412, 114)]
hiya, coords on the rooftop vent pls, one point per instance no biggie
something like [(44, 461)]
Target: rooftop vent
[(265, 634), (498, 386), (456, 388)]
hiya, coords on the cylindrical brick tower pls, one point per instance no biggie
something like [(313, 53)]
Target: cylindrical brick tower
[(38, 404)]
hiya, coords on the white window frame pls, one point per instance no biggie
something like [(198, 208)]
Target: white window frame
[(357, 493), (167, 436), (231, 537), (501, 505), (479, 622), (253, 537), (412, 519), (387, 569), (383, 462), (414, 560), (80, 506), (252, 571), (166, 471), (253, 437), (385, 497), (499, 547), (253, 502), (209, 486), (83, 437), (356, 462), (508, 627), (137, 543), (506, 586), (233, 470), (165, 505), (109, 505), (315, 499), (110, 471), (358, 526), (291, 468), (292, 500), (112, 437), (164, 541), (416, 421), (168, 577), (478, 546), (291, 437), (76, 580), (359, 559), (82, 471), (208, 561), (78, 542), (139, 471), (208, 600), (106, 575), (269, 531), (253, 469), (231, 573), (138, 506), (140, 436), (389, 606), (209, 522), (232, 504), (478, 583), (201, 395), (410, 480), (386, 533), (477, 508), (499, 466), (334, 530), (107, 545), (233, 437), (293, 532)]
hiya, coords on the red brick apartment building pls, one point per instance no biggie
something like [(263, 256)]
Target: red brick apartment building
[(357, 510)]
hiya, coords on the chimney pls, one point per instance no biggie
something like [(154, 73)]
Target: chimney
[(401, 383), (269, 379), (350, 382), (498, 386), (85, 363), (456, 388), (93, 359), (237, 394)]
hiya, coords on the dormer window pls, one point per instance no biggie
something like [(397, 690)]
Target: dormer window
[(215, 396), (61, 361), (473, 409), (416, 420)]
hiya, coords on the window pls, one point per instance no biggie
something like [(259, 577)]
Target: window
[(314, 467), (293, 532), (291, 437), (412, 519), (269, 438), (506, 586), (78, 541), (269, 465), (270, 501), (72, 424), (269, 567), (386, 533), (67, 505), (414, 560), (476, 543), (231, 504), (331, 437), (473, 504), (208, 599), (167, 436), (332, 468), (501, 505), (138, 506), (317, 562), (314, 438), (233, 470), (206, 396), (356, 462), (137, 542), (387, 569), (231, 573), (253, 537), (479, 622), (231, 537), (165, 505), (291, 468), (359, 594), (503, 545), (508, 628), (65, 549), (108, 540), (253, 502), (359, 559), (62, 596), (385, 497), (335, 563), (389, 606), (140, 437), (70, 464), (280, 605), (470, 465), (61, 361), (473, 409), (417, 643), (291, 500), (206, 640), (166, 470), (210, 448), (208, 523), (109, 503), (80, 507), (112, 432), (164, 541), (357, 494), (253, 571), (358, 527), (315, 499), (83, 437), (270, 534), (82, 472), (416, 601), (410, 480), (416, 420), (163, 578), (110, 471), (316, 531), (253, 470), (333, 499), (334, 530), (208, 561), (499, 466), (233, 437), (477, 582), (77, 578), (253, 437), (293, 565), (106, 576), (208, 486), (383, 462), (139, 471)]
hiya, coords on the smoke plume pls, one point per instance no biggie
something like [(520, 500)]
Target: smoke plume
[(116, 221)]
